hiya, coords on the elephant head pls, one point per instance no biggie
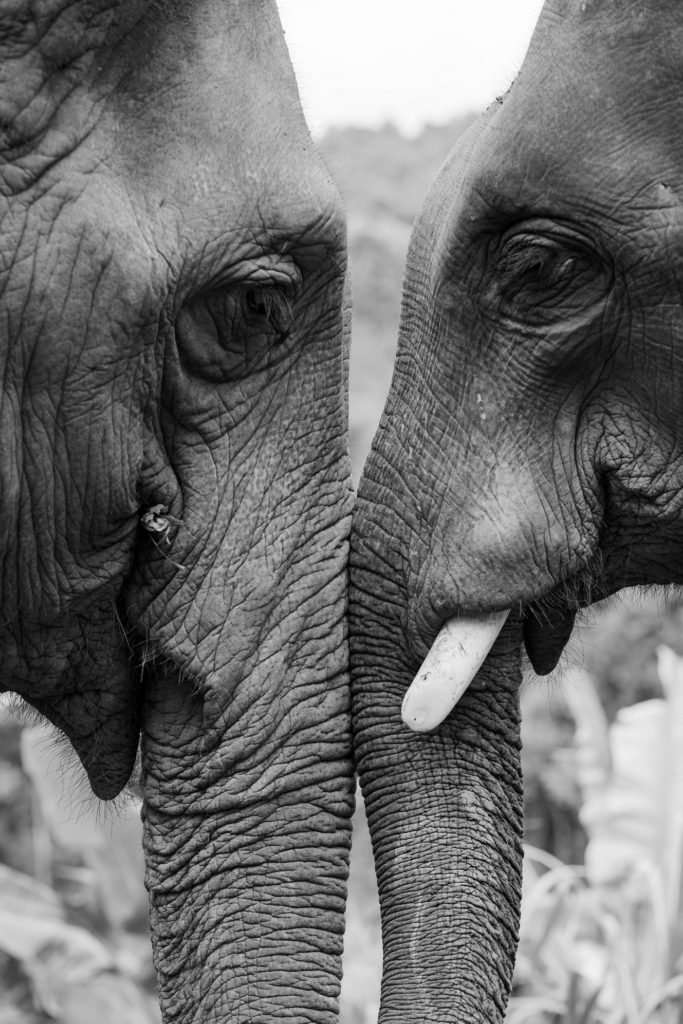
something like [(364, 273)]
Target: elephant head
[(174, 479), (529, 461)]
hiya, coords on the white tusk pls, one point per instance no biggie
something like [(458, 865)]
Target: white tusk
[(455, 657)]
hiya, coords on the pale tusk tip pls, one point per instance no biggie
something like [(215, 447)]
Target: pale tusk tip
[(454, 659)]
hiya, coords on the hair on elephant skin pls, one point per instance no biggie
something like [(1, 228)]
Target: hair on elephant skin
[(175, 493), (529, 462)]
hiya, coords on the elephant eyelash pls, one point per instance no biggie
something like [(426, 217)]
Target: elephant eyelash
[(536, 278), (230, 333), (274, 306), (536, 264)]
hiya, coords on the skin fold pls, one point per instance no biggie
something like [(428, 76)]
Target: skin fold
[(172, 266), (530, 457)]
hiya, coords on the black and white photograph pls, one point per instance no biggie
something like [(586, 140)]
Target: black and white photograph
[(341, 512)]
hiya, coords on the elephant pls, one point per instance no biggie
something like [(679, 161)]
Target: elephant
[(175, 490), (529, 462)]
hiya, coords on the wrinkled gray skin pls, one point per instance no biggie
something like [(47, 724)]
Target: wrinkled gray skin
[(530, 457), (172, 291)]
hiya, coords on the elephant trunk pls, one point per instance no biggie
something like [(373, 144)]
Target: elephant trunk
[(247, 804), (445, 816)]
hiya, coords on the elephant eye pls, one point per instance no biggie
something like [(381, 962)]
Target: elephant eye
[(231, 333), (535, 266), (273, 306), (544, 277)]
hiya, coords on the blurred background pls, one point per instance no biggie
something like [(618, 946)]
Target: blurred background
[(388, 87)]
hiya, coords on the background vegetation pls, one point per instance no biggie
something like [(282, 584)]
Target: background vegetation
[(603, 773)]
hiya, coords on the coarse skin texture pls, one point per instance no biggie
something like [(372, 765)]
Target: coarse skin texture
[(530, 457), (174, 331)]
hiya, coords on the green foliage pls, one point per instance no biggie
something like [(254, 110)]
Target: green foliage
[(622, 658), (552, 798), (74, 943), (602, 943)]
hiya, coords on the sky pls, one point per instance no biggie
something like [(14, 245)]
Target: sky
[(412, 62)]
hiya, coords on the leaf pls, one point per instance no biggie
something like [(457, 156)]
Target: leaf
[(112, 849), (625, 811), (73, 994), (26, 935), (673, 989), (23, 895), (592, 728), (670, 669), (605, 940), (74, 977), (527, 1009)]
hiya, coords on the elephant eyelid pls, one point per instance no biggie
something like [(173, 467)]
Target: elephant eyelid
[(275, 272), (525, 249), (544, 262), (537, 237)]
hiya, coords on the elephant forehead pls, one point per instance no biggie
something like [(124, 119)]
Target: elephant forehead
[(224, 143), (631, 16), (194, 107), (79, 281), (607, 69), (562, 148)]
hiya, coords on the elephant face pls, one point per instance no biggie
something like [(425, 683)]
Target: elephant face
[(529, 460), (175, 491), (543, 308)]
